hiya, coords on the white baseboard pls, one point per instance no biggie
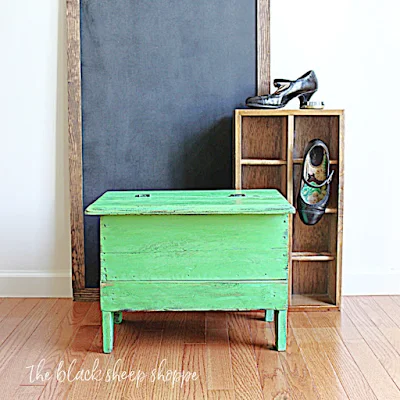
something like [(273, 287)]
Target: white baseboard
[(58, 284), (35, 284), (386, 283)]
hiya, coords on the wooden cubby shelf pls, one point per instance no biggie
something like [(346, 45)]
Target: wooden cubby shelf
[(269, 150), (263, 162), (309, 256)]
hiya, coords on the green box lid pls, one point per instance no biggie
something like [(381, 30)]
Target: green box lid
[(191, 202)]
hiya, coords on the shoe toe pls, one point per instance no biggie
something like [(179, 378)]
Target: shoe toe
[(253, 100)]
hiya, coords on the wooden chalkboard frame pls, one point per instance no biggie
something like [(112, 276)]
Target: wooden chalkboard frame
[(80, 291)]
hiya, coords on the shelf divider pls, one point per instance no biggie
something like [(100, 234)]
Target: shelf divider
[(300, 161), (310, 256), (262, 162)]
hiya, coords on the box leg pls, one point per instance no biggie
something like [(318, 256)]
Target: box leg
[(118, 317), (280, 329), (269, 315), (108, 331)]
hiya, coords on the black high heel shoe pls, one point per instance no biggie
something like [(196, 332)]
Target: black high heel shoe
[(303, 88), (315, 182)]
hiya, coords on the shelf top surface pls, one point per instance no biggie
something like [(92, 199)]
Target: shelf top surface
[(191, 202), (253, 112)]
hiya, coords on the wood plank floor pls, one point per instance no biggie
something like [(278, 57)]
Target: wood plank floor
[(51, 349)]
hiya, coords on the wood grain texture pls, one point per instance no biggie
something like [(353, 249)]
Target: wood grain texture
[(195, 202), (28, 392), (237, 178), (373, 371), (310, 277), (122, 359), (34, 345), (15, 344), (386, 325), (218, 357), (264, 138), (273, 380), (246, 376), (75, 143), (196, 265), (263, 47), (192, 296), (87, 294), (194, 359), (340, 208), (290, 197), (253, 112), (259, 177), (141, 234), (137, 248), (59, 385), (324, 351), (299, 380), (326, 381), (348, 372), (376, 340), (16, 315), (7, 306), (171, 355), (60, 340)]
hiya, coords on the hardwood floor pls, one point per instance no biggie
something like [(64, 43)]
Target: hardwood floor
[(353, 354)]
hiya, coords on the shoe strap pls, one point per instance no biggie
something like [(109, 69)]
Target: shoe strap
[(327, 181), (280, 82)]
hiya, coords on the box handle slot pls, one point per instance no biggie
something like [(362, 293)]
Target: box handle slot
[(237, 195)]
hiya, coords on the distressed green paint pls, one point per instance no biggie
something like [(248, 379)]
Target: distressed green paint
[(269, 315), (108, 331), (118, 317), (280, 329), (193, 250), (191, 296), (195, 265), (268, 201), (182, 233)]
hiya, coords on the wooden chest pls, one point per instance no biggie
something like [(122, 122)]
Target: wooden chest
[(193, 250)]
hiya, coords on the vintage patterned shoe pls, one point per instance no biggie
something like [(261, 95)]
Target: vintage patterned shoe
[(304, 87), (315, 182)]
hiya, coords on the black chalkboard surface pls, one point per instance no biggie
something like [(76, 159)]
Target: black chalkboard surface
[(160, 81)]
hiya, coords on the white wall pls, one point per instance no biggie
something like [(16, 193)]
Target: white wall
[(352, 45), (34, 233), (354, 48)]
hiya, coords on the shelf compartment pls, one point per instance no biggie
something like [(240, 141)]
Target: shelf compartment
[(310, 277), (312, 301), (310, 256), (262, 177), (307, 128), (319, 238), (262, 162), (300, 161), (264, 138)]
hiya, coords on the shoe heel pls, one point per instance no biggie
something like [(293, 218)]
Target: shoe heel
[(304, 98)]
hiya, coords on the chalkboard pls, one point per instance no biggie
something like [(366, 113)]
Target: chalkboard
[(160, 81)]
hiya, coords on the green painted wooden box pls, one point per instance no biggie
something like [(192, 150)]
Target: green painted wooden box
[(193, 250)]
